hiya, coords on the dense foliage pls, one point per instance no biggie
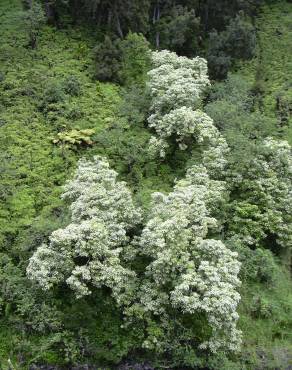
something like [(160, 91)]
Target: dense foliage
[(145, 210), (221, 30)]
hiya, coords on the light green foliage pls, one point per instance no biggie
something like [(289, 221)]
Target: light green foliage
[(233, 108), (270, 71), (135, 59), (33, 170), (74, 138), (265, 318)]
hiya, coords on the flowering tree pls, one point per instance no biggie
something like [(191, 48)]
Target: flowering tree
[(88, 251), (175, 86), (176, 81), (184, 270), (190, 272)]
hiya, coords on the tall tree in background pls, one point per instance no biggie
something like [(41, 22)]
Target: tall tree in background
[(34, 19)]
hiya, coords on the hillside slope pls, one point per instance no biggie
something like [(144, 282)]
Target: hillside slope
[(47, 97), (271, 69)]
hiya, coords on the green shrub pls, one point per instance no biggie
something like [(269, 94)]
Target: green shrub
[(53, 94), (72, 86)]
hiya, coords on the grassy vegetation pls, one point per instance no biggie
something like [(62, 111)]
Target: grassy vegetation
[(265, 311), (271, 69), (33, 170), (32, 167), (265, 319)]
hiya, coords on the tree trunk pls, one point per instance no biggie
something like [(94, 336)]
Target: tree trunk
[(33, 41), (287, 259), (118, 24), (155, 19), (51, 13)]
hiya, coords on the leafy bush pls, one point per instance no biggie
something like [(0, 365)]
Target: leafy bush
[(54, 328), (71, 86), (53, 94), (74, 138)]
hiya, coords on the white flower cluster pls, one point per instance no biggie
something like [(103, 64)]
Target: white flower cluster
[(188, 271), (175, 86), (88, 251)]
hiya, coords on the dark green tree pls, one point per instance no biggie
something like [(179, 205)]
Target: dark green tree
[(236, 42), (107, 59), (34, 19)]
